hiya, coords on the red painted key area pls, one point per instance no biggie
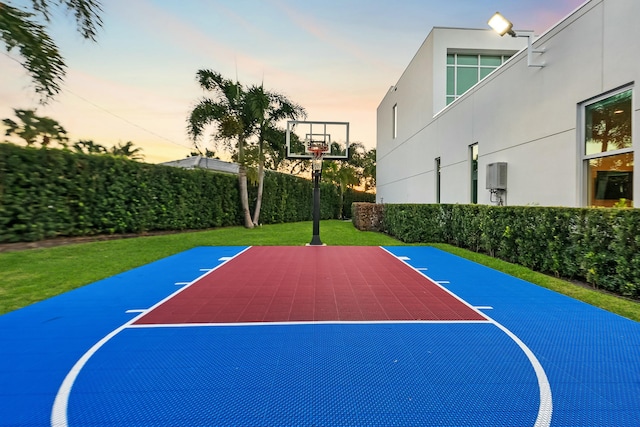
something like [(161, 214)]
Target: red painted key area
[(311, 283)]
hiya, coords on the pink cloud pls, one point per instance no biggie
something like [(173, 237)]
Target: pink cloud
[(311, 26)]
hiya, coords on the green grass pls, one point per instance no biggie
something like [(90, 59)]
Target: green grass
[(35, 274)]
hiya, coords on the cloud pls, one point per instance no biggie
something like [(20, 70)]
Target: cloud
[(331, 36), (211, 51)]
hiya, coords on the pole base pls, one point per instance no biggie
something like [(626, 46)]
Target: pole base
[(315, 241)]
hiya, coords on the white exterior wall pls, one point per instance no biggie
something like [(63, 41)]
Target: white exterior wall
[(420, 94), (525, 116)]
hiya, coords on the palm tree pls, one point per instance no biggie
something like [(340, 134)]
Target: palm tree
[(365, 161), (50, 130), (43, 61), (359, 169), (369, 169), (265, 110), (127, 150), (25, 130), (226, 111), (343, 175), (31, 126), (89, 147)]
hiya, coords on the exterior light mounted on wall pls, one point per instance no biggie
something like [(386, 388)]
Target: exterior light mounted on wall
[(502, 26)]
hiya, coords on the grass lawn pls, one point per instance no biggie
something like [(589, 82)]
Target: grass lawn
[(32, 275)]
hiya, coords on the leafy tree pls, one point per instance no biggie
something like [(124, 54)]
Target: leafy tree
[(365, 161), (89, 147), (120, 150), (30, 127), (127, 150), (276, 152), (26, 129), (369, 169), (50, 130), (20, 29), (207, 153), (342, 174), (358, 170)]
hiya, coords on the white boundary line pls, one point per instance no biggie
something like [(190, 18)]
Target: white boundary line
[(303, 322), (545, 409), (61, 402)]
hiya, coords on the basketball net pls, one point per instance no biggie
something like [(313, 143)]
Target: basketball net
[(316, 162)]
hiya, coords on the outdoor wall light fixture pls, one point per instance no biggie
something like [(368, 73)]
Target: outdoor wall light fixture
[(502, 26)]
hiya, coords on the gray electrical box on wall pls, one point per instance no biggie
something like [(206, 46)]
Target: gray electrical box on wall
[(497, 176)]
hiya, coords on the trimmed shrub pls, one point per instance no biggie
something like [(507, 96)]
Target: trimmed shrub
[(45, 193), (600, 246)]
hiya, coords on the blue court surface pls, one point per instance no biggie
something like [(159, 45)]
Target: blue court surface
[(538, 359)]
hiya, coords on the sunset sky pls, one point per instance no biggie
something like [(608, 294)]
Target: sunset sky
[(336, 58)]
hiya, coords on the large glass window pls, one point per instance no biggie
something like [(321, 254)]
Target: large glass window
[(611, 180), (608, 150), (608, 124), (465, 70)]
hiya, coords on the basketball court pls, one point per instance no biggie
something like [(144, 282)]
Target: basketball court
[(317, 336)]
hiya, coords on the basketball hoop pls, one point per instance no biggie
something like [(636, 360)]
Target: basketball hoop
[(316, 162), (315, 142), (303, 138), (317, 150)]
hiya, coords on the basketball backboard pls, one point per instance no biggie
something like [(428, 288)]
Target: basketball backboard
[(305, 137)]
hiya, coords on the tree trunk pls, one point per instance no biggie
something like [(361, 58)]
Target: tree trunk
[(244, 197), (256, 211)]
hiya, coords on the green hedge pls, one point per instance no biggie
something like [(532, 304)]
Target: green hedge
[(45, 193), (601, 246), (287, 198)]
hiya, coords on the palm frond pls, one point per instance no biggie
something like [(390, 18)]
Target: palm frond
[(43, 62)]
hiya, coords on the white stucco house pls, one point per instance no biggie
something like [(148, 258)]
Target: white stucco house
[(480, 118)]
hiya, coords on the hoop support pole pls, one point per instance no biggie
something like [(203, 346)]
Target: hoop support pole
[(317, 175)]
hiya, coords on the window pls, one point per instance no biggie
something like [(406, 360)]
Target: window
[(473, 171), (437, 175), (394, 123), (465, 70), (607, 150)]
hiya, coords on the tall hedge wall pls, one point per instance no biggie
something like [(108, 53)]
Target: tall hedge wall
[(46, 193), (601, 246)]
